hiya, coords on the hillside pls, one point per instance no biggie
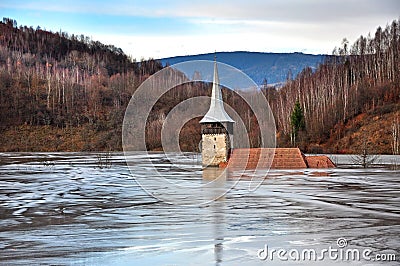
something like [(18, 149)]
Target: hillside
[(61, 92), (371, 130), (362, 83), (60, 46), (274, 67)]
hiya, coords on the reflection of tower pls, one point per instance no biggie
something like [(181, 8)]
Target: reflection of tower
[(219, 224), (215, 191), (217, 128)]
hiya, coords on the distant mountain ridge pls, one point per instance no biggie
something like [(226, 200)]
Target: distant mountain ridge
[(275, 67)]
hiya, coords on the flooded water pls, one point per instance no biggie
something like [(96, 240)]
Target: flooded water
[(88, 209)]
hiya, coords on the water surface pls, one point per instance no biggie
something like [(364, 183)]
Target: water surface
[(86, 209)]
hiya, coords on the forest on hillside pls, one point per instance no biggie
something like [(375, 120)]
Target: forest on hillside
[(71, 87), (61, 92), (362, 78)]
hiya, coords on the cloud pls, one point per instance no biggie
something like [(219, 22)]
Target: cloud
[(165, 28), (292, 10), (144, 46), (270, 10)]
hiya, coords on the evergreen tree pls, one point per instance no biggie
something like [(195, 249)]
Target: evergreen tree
[(297, 121)]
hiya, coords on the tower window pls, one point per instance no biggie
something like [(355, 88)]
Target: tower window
[(215, 139), (214, 146)]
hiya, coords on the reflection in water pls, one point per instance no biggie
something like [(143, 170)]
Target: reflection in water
[(72, 212), (216, 178), (219, 222), (215, 175)]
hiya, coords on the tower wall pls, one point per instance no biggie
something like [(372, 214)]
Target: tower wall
[(215, 149), (217, 128)]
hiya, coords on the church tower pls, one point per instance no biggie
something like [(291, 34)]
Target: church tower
[(216, 128)]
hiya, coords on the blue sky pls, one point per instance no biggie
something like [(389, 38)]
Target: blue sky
[(161, 28)]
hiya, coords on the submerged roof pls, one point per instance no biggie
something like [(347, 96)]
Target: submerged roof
[(216, 113), (275, 158)]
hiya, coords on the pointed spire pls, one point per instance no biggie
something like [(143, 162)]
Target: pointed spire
[(216, 113)]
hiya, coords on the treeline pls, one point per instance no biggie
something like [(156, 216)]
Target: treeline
[(361, 78), (59, 45), (64, 81), (81, 88), (68, 84)]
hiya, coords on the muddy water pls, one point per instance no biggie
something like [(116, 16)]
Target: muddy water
[(86, 209)]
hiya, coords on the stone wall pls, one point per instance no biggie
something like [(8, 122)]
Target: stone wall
[(215, 149)]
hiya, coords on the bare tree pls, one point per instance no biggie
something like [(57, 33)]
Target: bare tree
[(396, 136), (364, 156)]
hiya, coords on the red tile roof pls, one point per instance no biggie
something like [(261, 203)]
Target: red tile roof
[(279, 158), (320, 161)]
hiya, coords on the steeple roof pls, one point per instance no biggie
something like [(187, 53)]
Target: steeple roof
[(216, 113)]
